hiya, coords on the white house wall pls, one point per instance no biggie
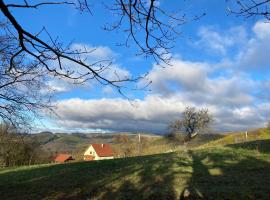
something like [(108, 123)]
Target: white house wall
[(104, 158), (91, 149)]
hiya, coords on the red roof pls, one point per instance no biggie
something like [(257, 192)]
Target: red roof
[(103, 150), (63, 158), (88, 157)]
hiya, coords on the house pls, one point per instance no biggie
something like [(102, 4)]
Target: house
[(62, 158), (98, 152)]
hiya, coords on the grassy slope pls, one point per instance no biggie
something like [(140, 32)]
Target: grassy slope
[(259, 134), (165, 144), (209, 173)]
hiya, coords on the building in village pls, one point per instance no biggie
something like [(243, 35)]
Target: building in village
[(62, 158), (98, 152)]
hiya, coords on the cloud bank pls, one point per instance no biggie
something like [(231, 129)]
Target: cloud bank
[(237, 100)]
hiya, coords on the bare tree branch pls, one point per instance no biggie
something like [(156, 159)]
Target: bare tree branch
[(143, 18), (38, 56), (251, 8), (42, 51)]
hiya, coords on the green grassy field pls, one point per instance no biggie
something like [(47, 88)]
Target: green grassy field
[(240, 137), (236, 171)]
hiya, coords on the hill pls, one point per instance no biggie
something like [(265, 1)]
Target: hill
[(124, 144), (63, 142), (231, 172), (240, 137)]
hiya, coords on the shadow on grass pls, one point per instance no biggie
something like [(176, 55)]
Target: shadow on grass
[(262, 146), (147, 177), (218, 176), (154, 181), (196, 141)]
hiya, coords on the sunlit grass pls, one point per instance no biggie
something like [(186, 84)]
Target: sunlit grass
[(240, 137), (238, 171)]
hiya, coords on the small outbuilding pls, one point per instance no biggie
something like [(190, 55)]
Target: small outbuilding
[(62, 158), (98, 152)]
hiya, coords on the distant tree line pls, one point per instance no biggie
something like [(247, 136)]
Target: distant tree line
[(17, 149), (126, 146)]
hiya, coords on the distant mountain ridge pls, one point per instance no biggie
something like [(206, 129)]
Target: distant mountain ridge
[(70, 142), (74, 142)]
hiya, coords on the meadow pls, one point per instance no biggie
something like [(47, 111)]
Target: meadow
[(230, 171)]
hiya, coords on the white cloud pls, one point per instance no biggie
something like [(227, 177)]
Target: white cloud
[(262, 30), (218, 42), (151, 114), (195, 81), (101, 55), (235, 98), (255, 55), (251, 53), (55, 85), (107, 90), (185, 75), (230, 99), (106, 69), (115, 73), (95, 52)]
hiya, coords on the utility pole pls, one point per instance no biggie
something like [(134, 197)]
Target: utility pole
[(139, 144)]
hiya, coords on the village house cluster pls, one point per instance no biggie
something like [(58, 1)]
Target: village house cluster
[(93, 152)]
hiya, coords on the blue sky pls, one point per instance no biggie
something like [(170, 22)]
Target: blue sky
[(219, 62)]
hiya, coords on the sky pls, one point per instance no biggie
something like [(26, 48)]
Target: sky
[(220, 62)]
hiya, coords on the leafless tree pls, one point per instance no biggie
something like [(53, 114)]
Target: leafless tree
[(193, 122), (28, 58), (21, 88), (152, 35), (147, 20), (19, 149), (42, 53), (251, 8), (268, 125)]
